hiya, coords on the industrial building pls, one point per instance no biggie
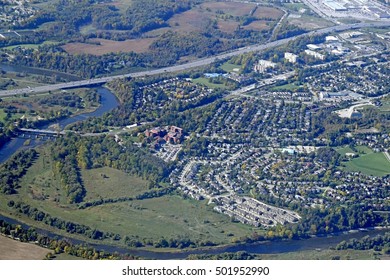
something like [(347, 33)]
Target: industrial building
[(335, 6)]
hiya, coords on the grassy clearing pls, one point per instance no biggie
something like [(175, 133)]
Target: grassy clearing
[(2, 115), (295, 6), (111, 183), (102, 46), (30, 46), (15, 250), (229, 67), (309, 22), (367, 162), (364, 150), (375, 164), (345, 150), (206, 82), (287, 87), (231, 8), (168, 216)]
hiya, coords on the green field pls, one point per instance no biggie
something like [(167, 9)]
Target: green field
[(345, 150), (169, 216), (287, 87), (31, 46), (367, 162), (375, 164), (206, 82), (228, 67), (107, 182)]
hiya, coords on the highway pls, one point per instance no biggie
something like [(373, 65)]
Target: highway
[(189, 65)]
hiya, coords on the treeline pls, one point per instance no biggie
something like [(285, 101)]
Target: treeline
[(378, 243), (70, 15), (70, 227), (145, 15), (94, 152), (180, 242), (172, 45), (67, 169), (59, 246), (156, 192), (65, 100), (14, 168)]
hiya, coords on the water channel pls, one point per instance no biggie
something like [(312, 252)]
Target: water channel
[(109, 102), (107, 98)]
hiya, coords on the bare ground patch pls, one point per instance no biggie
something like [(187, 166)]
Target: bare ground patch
[(103, 46), (15, 250)]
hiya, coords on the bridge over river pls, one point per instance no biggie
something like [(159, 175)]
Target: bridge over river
[(45, 134), (189, 65)]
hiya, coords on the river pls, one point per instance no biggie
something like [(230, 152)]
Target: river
[(108, 102), (268, 247)]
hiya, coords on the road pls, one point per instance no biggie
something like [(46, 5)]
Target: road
[(189, 65)]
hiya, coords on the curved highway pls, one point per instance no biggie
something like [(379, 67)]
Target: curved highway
[(189, 65)]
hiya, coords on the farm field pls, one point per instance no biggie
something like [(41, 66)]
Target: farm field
[(102, 46), (15, 250)]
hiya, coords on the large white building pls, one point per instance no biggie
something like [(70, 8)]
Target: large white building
[(263, 65), (335, 6), (315, 54), (290, 57)]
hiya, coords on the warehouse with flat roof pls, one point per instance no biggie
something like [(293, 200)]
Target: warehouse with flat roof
[(335, 6)]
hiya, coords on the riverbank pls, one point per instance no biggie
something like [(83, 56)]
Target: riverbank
[(262, 248)]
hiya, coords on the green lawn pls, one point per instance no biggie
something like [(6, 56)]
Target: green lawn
[(2, 115), (206, 82), (287, 87), (364, 150), (375, 164), (345, 150), (228, 67)]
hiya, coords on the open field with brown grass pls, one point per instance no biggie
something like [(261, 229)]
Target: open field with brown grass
[(192, 20), (231, 8), (227, 26), (258, 25), (102, 46), (308, 22), (268, 12), (15, 250)]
